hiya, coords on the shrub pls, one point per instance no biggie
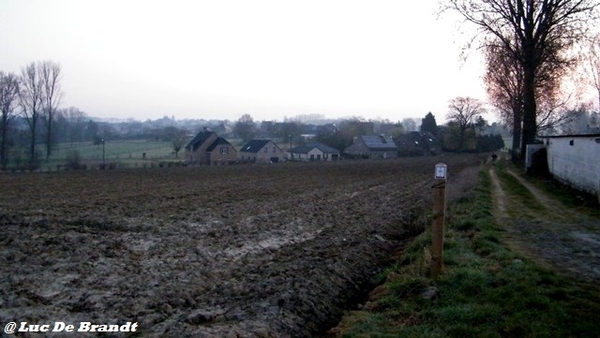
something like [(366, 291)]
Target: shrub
[(73, 160)]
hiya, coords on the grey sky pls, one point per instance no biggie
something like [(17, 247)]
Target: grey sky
[(220, 59)]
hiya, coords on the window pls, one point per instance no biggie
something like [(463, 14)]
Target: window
[(224, 150), (571, 142), (274, 150), (266, 149)]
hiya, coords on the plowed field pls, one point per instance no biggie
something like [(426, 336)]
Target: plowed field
[(251, 251)]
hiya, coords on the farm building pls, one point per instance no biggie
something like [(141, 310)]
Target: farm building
[(416, 144), (315, 151), (261, 151), (373, 146), (208, 148), (575, 160)]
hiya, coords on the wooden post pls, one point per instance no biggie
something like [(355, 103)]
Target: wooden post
[(439, 215)]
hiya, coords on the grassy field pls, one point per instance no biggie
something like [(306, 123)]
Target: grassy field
[(121, 153), (487, 289), (117, 153)]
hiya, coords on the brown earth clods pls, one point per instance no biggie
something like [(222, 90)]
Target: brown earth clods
[(249, 251)]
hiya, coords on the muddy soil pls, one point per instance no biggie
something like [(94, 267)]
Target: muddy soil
[(231, 251), (563, 238)]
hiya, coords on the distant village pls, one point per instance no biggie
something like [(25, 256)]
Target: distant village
[(301, 138), (310, 138)]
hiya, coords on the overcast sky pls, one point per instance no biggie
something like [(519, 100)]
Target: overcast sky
[(221, 59)]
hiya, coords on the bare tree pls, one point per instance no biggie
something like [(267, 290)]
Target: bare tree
[(176, 136), (245, 128), (9, 93), (553, 111), (30, 99), (463, 112), (504, 84), (178, 141), (534, 33), (593, 64), (575, 121), (49, 72), (76, 120), (409, 124)]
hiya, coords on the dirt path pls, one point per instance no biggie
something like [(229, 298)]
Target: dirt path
[(557, 236)]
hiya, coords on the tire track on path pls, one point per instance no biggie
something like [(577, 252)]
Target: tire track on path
[(559, 237)]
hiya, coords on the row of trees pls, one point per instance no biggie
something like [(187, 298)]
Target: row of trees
[(246, 128), (529, 48), (32, 98), (36, 93), (466, 129)]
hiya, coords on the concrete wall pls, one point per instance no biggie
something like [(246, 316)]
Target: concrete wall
[(314, 152), (576, 161)]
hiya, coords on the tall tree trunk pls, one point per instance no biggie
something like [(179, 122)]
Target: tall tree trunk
[(49, 137), (517, 130), (32, 158), (529, 109)]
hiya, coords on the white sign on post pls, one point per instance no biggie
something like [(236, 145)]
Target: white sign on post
[(441, 171)]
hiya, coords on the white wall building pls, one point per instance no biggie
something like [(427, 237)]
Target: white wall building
[(315, 151), (575, 160)]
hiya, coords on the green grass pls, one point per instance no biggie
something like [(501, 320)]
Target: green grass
[(486, 290), (513, 187), (123, 153), (568, 196), (572, 198), (117, 150)]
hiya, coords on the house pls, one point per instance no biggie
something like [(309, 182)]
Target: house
[(208, 148), (373, 146), (417, 143), (261, 151), (573, 159), (315, 151)]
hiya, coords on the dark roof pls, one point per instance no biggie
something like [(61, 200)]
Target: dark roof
[(379, 142), (254, 146), (197, 141), (218, 142), (418, 137), (310, 146)]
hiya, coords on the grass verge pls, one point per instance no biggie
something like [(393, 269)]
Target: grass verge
[(512, 185), (486, 289), (571, 197)]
